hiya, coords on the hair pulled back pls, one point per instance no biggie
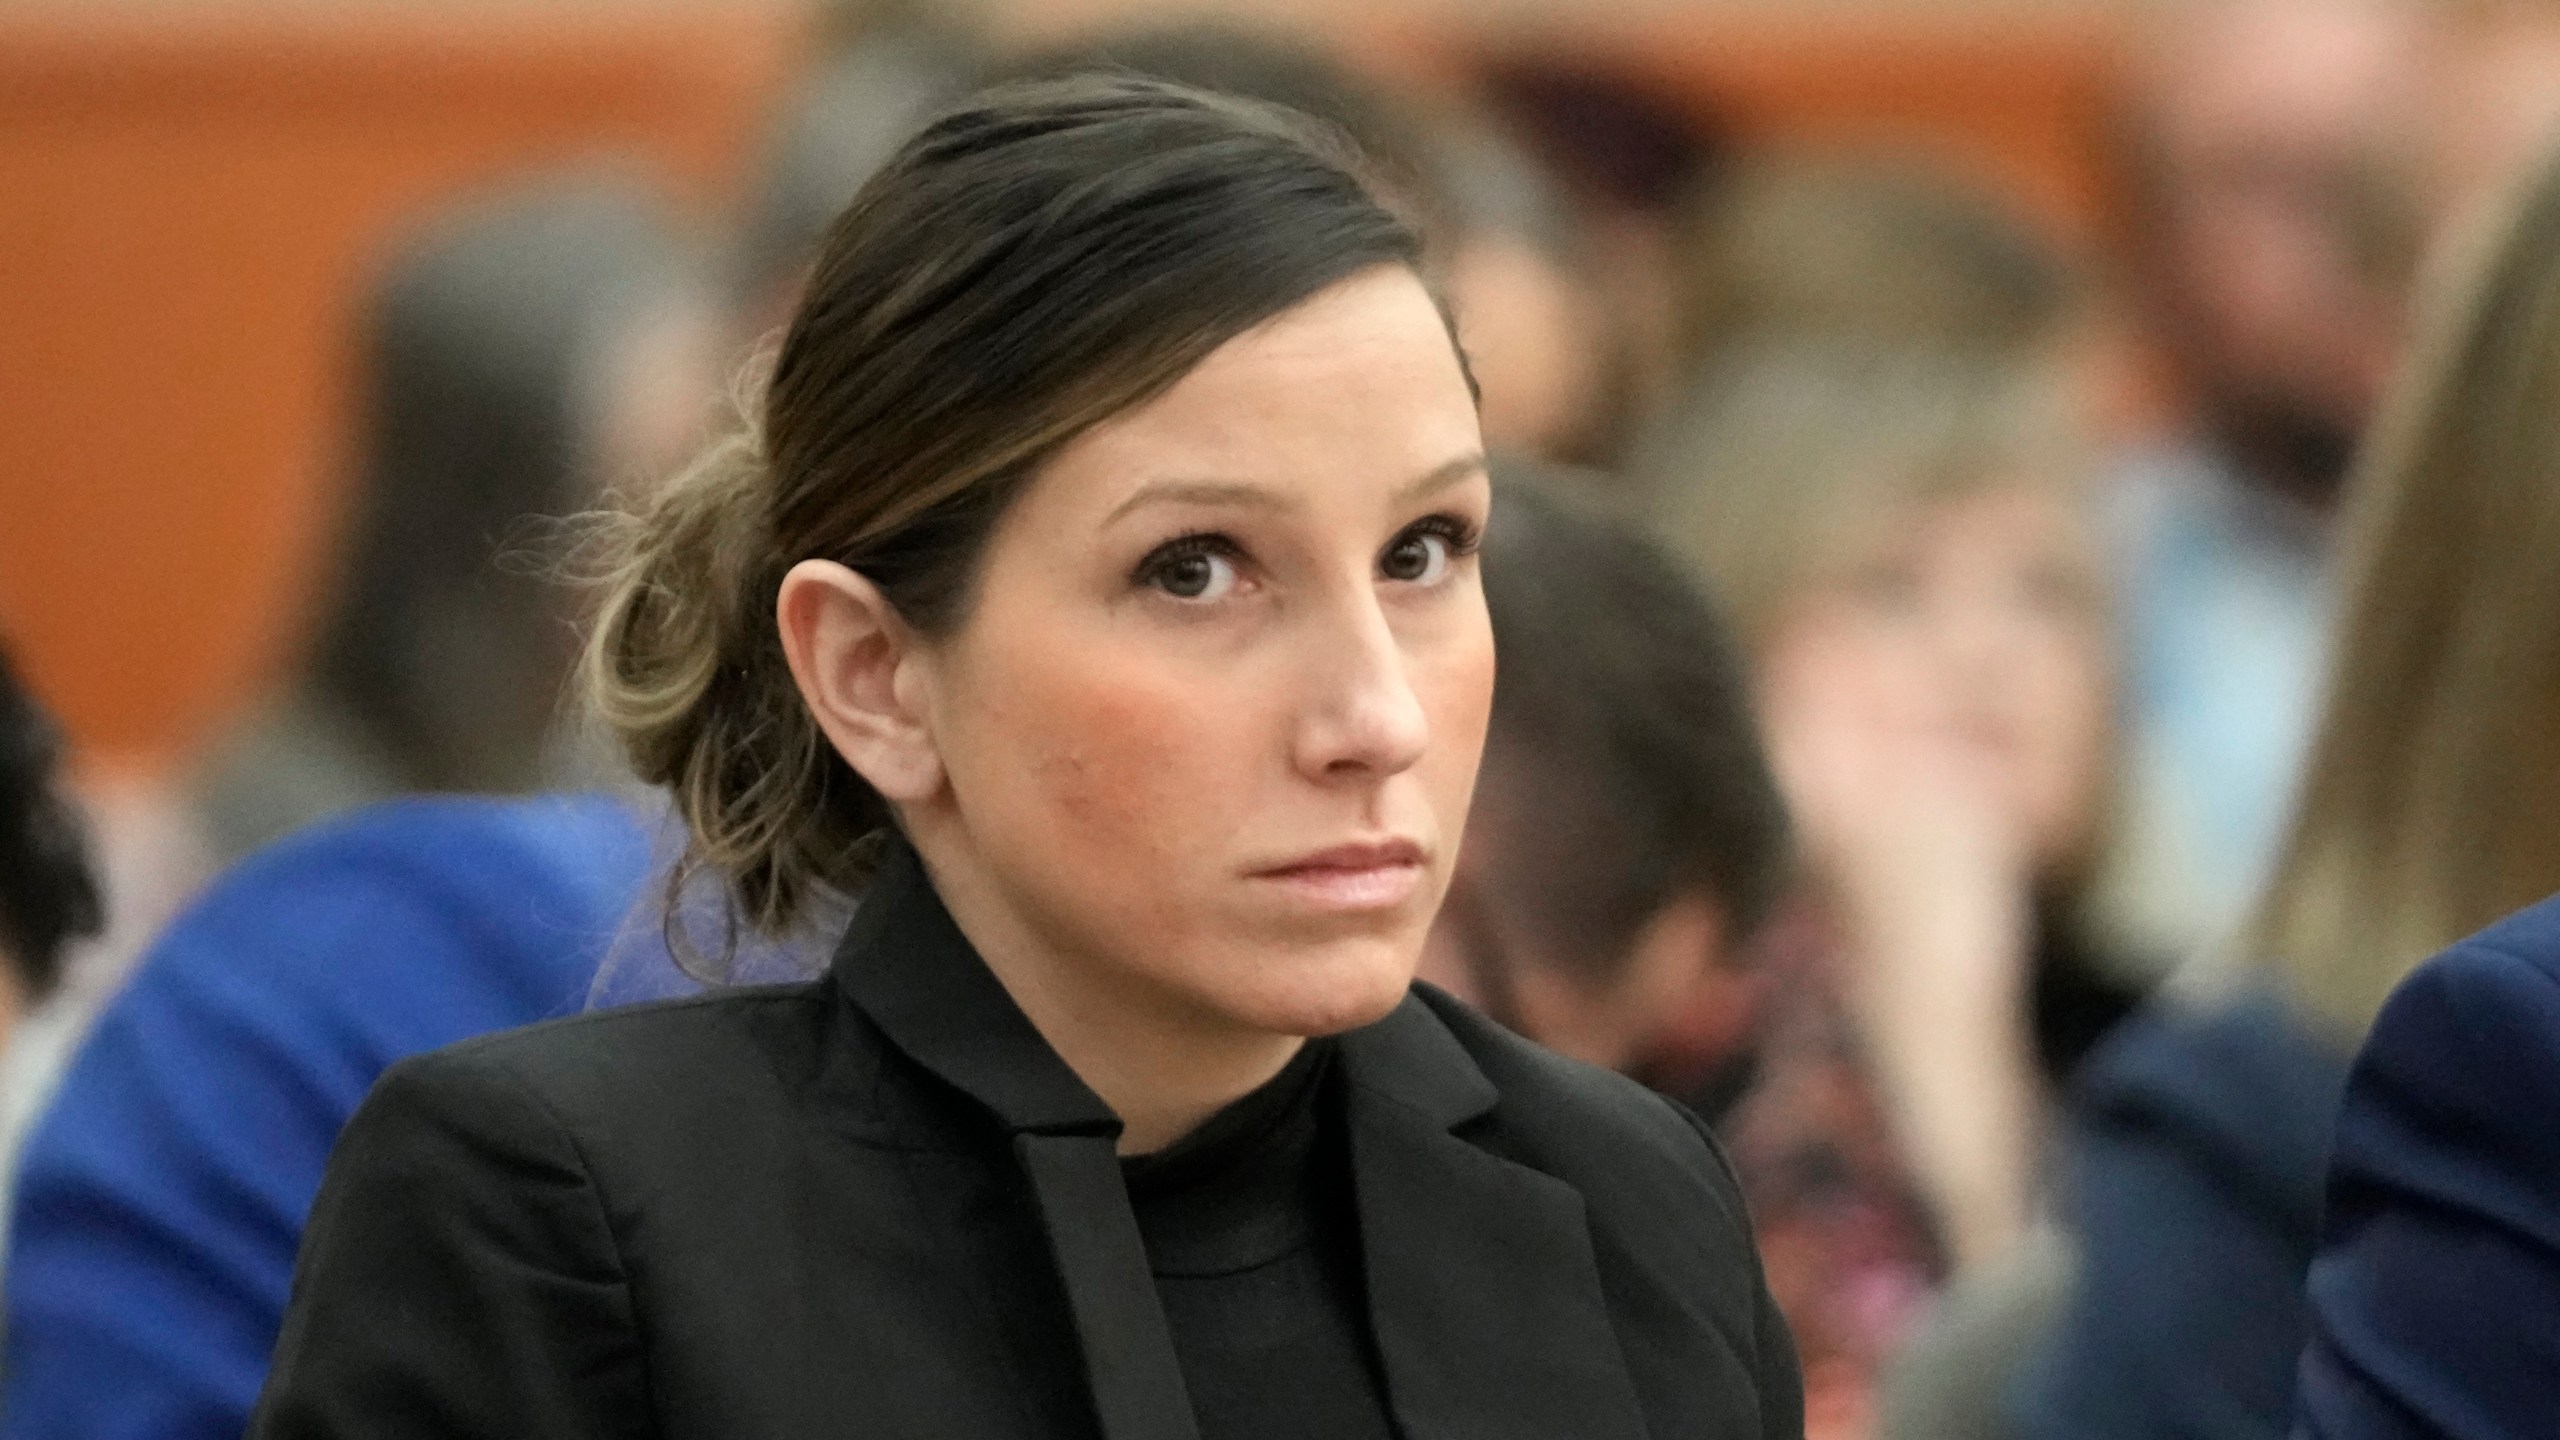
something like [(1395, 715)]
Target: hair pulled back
[(1034, 262)]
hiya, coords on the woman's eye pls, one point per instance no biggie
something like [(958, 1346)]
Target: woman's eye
[(1193, 574), (1416, 558)]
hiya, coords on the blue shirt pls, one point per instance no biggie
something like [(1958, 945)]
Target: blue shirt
[(2227, 600), (161, 1200)]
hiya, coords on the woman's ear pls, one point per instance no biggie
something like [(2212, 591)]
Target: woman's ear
[(859, 670)]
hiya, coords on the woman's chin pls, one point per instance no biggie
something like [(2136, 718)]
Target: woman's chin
[(1342, 987)]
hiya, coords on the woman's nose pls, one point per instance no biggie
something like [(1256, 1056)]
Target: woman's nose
[(1362, 717)]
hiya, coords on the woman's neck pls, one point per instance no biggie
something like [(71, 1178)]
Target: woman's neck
[(1163, 1065)]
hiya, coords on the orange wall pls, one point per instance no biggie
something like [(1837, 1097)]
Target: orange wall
[(189, 209)]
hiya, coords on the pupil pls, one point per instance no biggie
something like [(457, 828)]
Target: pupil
[(1189, 576), (1408, 559)]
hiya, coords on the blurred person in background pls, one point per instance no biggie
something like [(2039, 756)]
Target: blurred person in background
[(67, 850), (2425, 812), (2273, 230), (167, 1189), (161, 1198), (884, 78), (1626, 838), (1540, 337), (525, 352), (1627, 162), (1903, 539), (53, 906), (1510, 249), (1868, 250), (49, 892)]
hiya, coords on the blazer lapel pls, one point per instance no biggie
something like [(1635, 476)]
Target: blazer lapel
[(1483, 1291), (906, 965)]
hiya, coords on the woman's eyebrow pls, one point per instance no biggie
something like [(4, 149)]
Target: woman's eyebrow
[(1200, 492), (1246, 494), (1442, 476)]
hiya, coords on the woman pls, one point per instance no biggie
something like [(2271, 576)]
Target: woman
[(527, 351), (1096, 596), (2425, 813), (160, 1198), (1899, 537)]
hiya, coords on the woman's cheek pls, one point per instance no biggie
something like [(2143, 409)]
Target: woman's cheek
[(1459, 703), (1120, 783)]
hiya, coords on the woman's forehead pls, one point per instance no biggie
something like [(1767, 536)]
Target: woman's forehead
[(1355, 394)]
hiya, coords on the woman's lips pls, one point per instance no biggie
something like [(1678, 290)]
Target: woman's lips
[(1377, 876)]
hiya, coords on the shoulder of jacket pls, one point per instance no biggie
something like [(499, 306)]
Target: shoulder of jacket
[(2526, 941), (634, 1057)]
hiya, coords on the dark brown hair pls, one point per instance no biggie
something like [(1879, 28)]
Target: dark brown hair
[(1623, 766), (49, 893), (1045, 256)]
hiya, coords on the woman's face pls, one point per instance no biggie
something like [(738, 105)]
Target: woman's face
[(1966, 641), (1211, 725)]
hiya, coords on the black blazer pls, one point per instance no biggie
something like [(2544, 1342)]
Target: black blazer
[(879, 1205)]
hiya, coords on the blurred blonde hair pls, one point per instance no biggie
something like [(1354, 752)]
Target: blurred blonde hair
[(1789, 459), (1786, 455), (1882, 247), (1866, 334), (2430, 800)]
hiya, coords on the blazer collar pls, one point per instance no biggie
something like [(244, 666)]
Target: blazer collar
[(908, 967), (906, 964), (1411, 1058), (1484, 1291)]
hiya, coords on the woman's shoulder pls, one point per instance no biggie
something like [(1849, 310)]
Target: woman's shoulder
[(2519, 955), (671, 1067), (2473, 1033)]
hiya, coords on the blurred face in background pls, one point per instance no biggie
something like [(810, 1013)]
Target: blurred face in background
[(1536, 337), (1958, 645), (2276, 229), (651, 392)]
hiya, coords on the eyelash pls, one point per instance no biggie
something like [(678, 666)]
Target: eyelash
[(1161, 559), (1461, 535)]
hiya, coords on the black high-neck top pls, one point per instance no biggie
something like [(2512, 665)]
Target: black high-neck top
[(1252, 1238)]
